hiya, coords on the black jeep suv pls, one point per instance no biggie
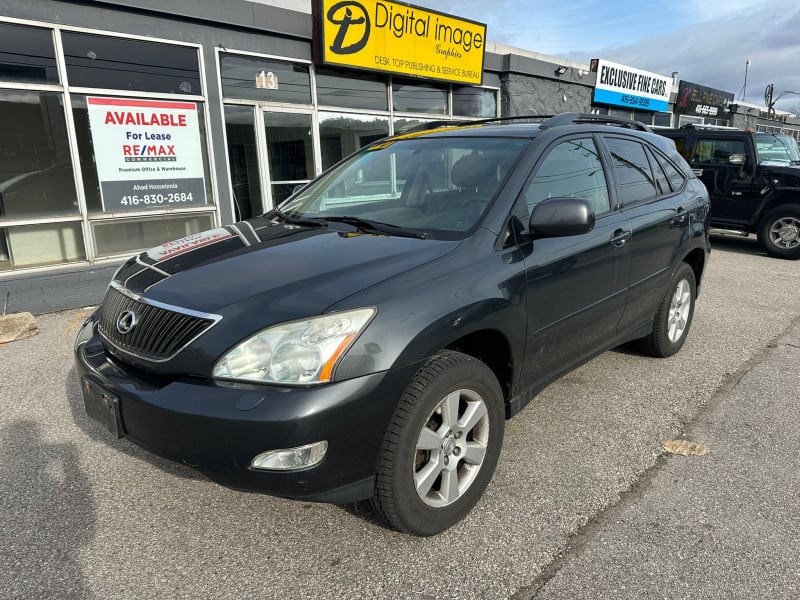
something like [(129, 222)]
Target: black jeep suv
[(369, 337), (753, 180)]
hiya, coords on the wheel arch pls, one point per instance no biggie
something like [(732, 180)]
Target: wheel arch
[(493, 349), (780, 197), (696, 259)]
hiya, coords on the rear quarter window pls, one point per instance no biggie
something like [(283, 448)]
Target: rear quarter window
[(677, 176)]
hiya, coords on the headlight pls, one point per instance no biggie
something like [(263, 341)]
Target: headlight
[(299, 353)]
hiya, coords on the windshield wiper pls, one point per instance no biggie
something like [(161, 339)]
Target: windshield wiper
[(295, 220), (367, 225)]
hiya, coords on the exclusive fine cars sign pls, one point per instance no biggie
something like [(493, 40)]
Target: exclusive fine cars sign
[(391, 37), (148, 153), (620, 85)]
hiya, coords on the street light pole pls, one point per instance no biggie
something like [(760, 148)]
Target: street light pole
[(744, 87)]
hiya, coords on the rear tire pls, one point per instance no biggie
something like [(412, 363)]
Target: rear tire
[(441, 447), (674, 316), (779, 232)]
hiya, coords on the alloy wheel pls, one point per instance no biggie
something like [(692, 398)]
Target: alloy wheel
[(451, 448), (679, 308), (785, 232)]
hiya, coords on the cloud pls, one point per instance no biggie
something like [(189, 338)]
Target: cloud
[(714, 53), (706, 41)]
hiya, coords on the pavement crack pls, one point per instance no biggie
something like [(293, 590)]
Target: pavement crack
[(577, 542)]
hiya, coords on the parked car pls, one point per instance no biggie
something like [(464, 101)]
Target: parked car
[(369, 338), (753, 180)]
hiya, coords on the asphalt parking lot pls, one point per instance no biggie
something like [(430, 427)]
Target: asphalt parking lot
[(584, 503)]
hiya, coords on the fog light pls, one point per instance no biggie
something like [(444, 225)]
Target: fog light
[(290, 459)]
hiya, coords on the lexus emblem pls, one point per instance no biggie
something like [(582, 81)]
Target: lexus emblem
[(127, 321)]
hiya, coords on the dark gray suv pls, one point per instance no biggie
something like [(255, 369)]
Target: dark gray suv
[(369, 338)]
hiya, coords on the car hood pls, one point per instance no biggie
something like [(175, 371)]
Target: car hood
[(255, 265), (787, 175)]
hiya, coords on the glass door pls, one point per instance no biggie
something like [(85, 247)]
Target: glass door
[(269, 154), (291, 154), (243, 161)]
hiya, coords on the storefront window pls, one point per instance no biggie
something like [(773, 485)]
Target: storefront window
[(419, 98), (351, 90), (341, 134), (243, 160), (265, 79), (35, 169), (27, 54), (290, 146), (689, 120), (40, 245), (469, 101), (662, 119), (123, 237), (98, 61), (160, 183), (402, 124)]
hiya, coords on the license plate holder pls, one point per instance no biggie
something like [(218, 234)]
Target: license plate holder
[(102, 406)]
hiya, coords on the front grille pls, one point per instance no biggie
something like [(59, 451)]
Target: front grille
[(159, 333)]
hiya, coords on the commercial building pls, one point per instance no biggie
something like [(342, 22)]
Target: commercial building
[(124, 124)]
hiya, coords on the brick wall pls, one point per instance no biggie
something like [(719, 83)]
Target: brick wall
[(52, 291)]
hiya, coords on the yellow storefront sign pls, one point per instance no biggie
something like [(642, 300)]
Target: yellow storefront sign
[(399, 38)]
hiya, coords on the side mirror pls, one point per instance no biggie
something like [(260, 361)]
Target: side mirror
[(557, 217), (737, 159)]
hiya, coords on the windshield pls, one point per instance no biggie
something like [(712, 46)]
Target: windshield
[(435, 186), (777, 149)]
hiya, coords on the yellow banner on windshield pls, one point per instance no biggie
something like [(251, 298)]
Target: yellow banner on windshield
[(399, 38)]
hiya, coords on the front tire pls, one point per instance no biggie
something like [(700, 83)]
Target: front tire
[(779, 232), (674, 316), (441, 447)]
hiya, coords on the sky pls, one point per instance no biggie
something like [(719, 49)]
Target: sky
[(707, 41)]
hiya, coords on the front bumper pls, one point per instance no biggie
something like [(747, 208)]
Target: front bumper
[(220, 427)]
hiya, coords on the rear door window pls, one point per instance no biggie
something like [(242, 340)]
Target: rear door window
[(632, 172)]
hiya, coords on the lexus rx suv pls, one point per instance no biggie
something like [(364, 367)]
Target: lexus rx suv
[(369, 337)]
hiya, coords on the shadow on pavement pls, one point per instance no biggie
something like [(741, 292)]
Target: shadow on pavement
[(733, 243), (96, 432), (47, 515)]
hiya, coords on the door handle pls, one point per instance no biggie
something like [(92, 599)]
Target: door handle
[(620, 237)]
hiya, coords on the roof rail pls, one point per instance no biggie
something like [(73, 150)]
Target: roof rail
[(709, 127), (570, 118), (461, 122), (547, 121)]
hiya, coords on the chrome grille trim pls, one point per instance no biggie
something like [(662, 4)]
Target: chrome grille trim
[(163, 329)]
